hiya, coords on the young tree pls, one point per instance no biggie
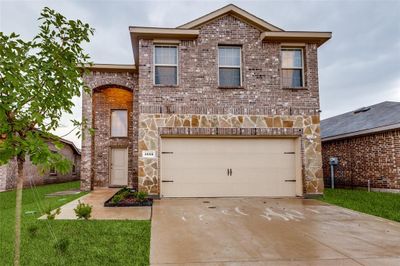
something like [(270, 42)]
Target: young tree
[(38, 80)]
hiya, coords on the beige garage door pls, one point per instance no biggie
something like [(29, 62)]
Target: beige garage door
[(229, 167)]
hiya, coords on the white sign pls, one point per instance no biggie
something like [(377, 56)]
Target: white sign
[(149, 154)]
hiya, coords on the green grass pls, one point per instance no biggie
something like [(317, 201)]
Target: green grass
[(91, 242), (385, 205)]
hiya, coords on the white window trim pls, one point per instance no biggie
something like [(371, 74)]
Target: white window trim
[(301, 68), (174, 65), (52, 171), (127, 123), (227, 66)]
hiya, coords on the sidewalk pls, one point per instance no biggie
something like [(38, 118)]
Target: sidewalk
[(96, 198)]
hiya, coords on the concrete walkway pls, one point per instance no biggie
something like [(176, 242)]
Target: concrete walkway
[(96, 198), (264, 231)]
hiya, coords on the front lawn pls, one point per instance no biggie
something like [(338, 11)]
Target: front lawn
[(385, 205), (91, 242)]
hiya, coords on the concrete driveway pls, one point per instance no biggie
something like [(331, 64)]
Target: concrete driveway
[(264, 231)]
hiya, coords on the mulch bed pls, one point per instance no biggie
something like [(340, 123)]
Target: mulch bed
[(128, 201)]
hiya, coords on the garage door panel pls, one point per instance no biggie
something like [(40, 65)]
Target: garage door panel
[(198, 167), (196, 159), (186, 175), (219, 190)]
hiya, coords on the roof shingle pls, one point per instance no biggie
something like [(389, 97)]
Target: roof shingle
[(372, 117)]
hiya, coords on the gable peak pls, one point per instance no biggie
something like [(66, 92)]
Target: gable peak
[(235, 11)]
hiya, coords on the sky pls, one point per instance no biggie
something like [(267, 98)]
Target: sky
[(359, 66)]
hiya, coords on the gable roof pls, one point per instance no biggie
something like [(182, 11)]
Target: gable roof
[(375, 118), (235, 11), (190, 31), (65, 141), (72, 145)]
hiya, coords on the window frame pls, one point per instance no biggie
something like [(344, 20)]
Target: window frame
[(170, 65), (127, 123), (230, 67), (303, 82), (52, 171)]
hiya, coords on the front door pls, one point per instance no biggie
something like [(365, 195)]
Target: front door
[(119, 167)]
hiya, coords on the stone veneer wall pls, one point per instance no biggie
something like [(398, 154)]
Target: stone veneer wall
[(90, 168), (153, 126), (375, 157)]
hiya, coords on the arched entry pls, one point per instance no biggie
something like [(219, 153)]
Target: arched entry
[(114, 134)]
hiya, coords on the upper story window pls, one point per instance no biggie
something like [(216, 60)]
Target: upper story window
[(229, 64), (292, 68), (165, 65), (119, 123)]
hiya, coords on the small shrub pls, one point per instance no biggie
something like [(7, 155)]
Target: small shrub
[(51, 215), (33, 230), (123, 190), (117, 198), (125, 194), (61, 245), (83, 211), (141, 196)]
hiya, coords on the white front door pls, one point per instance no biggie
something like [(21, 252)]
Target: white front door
[(119, 167)]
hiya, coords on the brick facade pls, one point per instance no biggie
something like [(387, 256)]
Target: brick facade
[(373, 157), (198, 92), (198, 106), (8, 172), (104, 101), (108, 91)]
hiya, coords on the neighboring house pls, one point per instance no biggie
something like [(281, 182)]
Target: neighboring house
[(8, 172), (225, 105), (367, 144)]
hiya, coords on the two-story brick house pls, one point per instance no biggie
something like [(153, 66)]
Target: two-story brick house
[(225, 105)]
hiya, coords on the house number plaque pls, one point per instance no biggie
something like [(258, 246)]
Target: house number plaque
[(149, 154)]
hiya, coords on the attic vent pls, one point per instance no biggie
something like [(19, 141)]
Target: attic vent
[(362, 110)]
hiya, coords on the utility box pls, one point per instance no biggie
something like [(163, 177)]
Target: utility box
[(333, 161)]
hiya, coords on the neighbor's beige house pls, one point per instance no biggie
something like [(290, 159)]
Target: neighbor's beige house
[(225, 105), (33, 175)]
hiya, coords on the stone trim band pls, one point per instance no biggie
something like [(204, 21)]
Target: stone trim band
[(218, 131), (179, 109)]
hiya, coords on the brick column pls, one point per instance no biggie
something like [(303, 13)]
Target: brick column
[(86, 154), (3, 177)]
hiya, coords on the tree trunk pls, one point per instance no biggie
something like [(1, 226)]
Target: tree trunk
[(18, 210)]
